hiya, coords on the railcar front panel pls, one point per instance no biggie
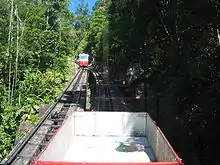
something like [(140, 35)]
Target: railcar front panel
[(83, 60), (83, 63)]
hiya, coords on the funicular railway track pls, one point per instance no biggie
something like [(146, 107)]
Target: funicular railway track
[(102, 100), (107, 95), (73, 98)]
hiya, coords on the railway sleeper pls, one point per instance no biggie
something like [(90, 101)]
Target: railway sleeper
[(20, 160), (66, 105), (28, 152), (60, 112), (55, 126), (58, 116), (57, 120), (36, 139), (53, 130), (64, 110), (43, 145), (63, 115), (48, 136)]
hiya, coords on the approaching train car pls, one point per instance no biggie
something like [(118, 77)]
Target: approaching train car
[(83, 60)]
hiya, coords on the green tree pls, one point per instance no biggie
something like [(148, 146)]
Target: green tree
[(36, 60), (97, 28), (176, 44), (81, 25)]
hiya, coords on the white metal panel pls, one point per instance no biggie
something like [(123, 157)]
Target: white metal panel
[(83, 124), (158, 142), (60, 143), (134, 124), (109, 124)]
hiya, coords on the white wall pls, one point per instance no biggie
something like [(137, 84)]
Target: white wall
[(60, 143), (109, 124)]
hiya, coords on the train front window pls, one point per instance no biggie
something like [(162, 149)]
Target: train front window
[(83, 57)]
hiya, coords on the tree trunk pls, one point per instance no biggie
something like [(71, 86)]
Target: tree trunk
[(17, 53), (8, 50)]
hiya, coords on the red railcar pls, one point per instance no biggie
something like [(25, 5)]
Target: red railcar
[(83, 60)]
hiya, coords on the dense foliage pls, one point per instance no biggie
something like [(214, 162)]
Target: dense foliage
[(176, 45), (92, 29), (36, 57)]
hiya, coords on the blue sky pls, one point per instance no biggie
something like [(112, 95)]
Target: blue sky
[(75, 3)]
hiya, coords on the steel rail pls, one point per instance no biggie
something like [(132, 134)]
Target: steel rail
[(105, 89), (80, 91), (109, 98), (95, 74)]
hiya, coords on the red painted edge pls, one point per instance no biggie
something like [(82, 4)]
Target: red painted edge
[(103, 163), (36, 161)]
